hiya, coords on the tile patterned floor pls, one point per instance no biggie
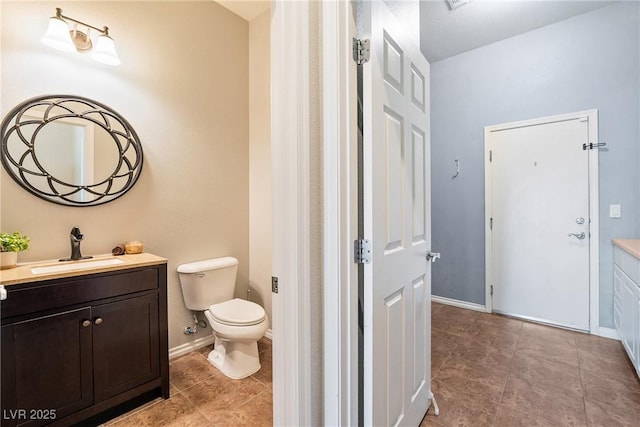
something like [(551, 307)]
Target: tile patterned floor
[(490, 370), (202, 396), (487, 370)]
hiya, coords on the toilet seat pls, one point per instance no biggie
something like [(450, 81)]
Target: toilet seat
[(237, 312)]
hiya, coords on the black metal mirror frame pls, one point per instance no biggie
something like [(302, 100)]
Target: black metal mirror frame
[(67, 104)]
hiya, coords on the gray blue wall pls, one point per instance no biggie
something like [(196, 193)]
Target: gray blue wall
[(589, 61)]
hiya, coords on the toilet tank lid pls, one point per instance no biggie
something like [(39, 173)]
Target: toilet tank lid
[(207, 264)]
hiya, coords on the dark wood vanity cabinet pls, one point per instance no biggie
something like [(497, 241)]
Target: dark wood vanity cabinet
[(46, 366), (104, 343), (125, 345)]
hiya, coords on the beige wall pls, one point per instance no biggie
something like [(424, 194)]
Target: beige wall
[(183, 86), (260, 160)]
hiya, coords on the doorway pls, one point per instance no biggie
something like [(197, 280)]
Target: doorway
[(542, 220)]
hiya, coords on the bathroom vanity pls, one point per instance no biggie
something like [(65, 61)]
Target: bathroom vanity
[(626, 296), (77, 343)]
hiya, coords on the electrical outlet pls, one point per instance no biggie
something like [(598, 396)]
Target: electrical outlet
[(614, 211)]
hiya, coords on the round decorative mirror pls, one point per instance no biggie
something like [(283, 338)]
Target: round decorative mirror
[(70, 150)]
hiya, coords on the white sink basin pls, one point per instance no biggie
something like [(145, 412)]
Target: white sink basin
[(77, 265)]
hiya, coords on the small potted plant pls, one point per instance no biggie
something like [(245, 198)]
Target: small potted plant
[(10, 245)]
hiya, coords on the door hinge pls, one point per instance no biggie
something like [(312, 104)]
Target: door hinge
[(491, 290), (490, 155), (274, 284), (362, 251), (490, 223), (361, 51)]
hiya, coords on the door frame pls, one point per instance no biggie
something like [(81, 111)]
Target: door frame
[(594, 242), (291, 205), (292, 59), (340, 229)]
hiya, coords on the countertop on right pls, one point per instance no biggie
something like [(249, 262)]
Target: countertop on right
[(632, 246)]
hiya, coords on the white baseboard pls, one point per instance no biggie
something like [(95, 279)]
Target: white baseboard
[(190, 346), (607, 333), (601, 331), (199, 343), (459, 304)]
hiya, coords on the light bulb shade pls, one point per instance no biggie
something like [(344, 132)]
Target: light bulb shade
[(57, 35), (105, 51)]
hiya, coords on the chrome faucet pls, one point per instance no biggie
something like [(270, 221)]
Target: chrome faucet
[(75, 237)]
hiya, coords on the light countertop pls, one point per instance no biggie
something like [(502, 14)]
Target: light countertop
[(23, 274), (632, 246)]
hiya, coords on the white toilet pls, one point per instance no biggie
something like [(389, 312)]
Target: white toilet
[(237, 324)]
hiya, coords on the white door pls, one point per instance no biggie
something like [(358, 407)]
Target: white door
[(539, 209), (397, 284)]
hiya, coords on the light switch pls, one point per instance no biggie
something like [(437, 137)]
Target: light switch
[(614, 211)]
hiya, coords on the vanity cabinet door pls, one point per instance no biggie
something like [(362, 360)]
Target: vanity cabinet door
[(629, 333), (126, 345), (638, 330), (617, 298), (46, 368)]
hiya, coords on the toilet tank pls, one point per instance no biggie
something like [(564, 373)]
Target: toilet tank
[(208, 282)]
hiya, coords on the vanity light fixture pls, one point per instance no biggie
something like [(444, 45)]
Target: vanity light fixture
[(59, 36)]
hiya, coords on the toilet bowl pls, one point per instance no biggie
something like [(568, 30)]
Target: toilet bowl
[(237, 324)]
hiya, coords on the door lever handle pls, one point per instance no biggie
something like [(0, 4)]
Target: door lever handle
[(580, 235), (432, 256)]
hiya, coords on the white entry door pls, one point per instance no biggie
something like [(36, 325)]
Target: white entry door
[(540, 215), (397, 284)]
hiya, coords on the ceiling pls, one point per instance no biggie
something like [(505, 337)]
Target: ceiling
[(248, 9), (445, 32)]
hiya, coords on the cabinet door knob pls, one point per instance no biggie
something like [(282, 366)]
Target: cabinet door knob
[(86, 323), (98, 321)]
